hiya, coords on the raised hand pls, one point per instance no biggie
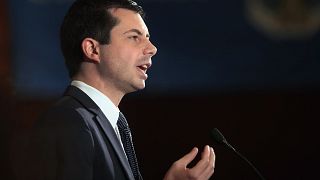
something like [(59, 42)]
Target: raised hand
[(203, 170)]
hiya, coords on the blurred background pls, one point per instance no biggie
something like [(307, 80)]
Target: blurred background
[(247, 67)]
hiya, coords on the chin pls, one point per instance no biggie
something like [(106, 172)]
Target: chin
[(137, 87), (141, 86)]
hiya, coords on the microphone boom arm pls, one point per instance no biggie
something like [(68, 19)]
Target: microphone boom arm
[(219, 138)]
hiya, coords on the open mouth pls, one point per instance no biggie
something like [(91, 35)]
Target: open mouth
[(143, 68)]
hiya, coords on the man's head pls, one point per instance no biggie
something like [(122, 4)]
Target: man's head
[(89, 19)]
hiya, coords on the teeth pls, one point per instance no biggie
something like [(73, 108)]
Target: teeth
[(143, 67)]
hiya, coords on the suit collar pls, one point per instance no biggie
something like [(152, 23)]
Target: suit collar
[(83, 99), (104, 103), (90, 105)]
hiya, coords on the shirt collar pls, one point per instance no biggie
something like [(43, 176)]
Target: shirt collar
[(103, 102)]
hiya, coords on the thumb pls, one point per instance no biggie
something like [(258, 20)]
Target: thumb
[(186, 159)]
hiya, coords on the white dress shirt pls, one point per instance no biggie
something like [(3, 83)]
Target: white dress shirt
[(103, 102)]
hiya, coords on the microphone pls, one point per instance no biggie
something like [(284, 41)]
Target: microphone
[(220, 139)]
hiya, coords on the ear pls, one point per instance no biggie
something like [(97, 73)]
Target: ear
[(90, 50)]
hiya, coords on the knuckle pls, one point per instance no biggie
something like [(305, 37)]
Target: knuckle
[(176, 164), (192, 175), (211, 165)]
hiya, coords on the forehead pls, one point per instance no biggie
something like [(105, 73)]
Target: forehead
[(128, 19)]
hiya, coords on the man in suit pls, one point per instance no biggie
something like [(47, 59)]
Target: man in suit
[(107, 51)]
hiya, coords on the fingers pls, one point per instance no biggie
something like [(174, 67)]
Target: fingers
[(204, 158), (202, 164), (178, 169), (186, 159), (203, 170), (205, 167), (207, 173)]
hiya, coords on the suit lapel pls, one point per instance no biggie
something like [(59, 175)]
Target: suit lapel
[(111, 135), (104, 123)]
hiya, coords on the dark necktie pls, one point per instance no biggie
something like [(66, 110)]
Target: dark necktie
[(126, 139)]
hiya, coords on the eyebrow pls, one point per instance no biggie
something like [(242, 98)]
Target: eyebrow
[(136, 31)]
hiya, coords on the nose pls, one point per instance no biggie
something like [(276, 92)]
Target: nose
[(150, 49)]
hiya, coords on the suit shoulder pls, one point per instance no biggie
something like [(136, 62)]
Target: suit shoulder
[(65, 112)]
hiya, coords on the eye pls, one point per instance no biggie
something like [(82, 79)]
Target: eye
[(136, 38)]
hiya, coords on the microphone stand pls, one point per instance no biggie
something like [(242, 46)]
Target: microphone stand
[(218, 137)]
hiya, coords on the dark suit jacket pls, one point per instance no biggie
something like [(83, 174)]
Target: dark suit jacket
[(75, 141)]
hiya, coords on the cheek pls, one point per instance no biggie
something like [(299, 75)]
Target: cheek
[(129, 56), (122, 58)]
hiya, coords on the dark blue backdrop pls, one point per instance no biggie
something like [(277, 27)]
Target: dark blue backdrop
[(203, 46)]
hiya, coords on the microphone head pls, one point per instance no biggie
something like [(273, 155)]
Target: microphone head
[(217, 136)]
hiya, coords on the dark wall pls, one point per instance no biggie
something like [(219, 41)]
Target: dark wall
[(276, 131)]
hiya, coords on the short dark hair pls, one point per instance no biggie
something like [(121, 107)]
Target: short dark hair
[(89, 19)]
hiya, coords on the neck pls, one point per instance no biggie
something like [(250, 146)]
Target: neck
[(107, 89)]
